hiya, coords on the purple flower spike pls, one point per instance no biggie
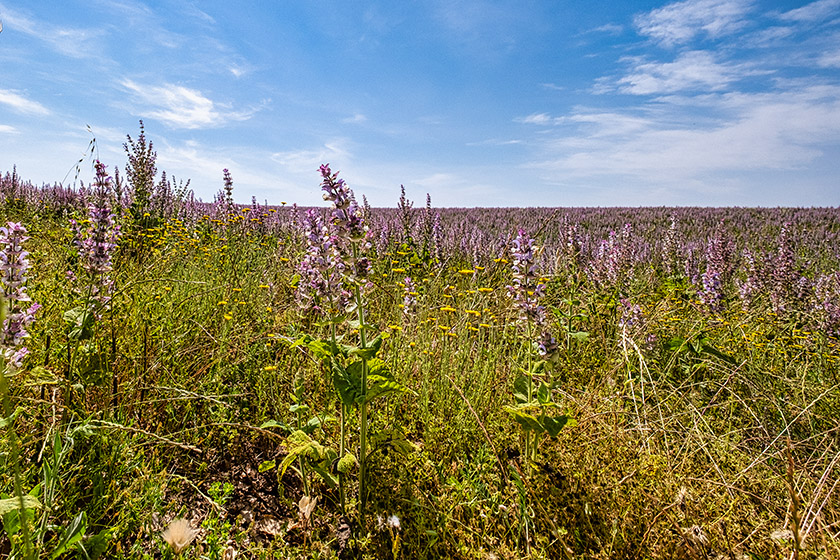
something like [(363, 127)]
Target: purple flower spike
[(14, 265)]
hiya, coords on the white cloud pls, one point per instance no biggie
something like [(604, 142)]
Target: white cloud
[(181, 107), (308, 160), (691, 70), (830, 59), (75, 42), (6, 129), (21, 104), (356, 118), (541, 119), (815, 11), (762, 132), (680, 22)]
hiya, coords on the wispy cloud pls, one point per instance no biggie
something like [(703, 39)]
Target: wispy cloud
[(21, 104), (680, 22), (815, 11), (307, 160), (6, 129), (181, 107), (692, 70), (763, 132), (74, 42), (355, 119), (542, 119)]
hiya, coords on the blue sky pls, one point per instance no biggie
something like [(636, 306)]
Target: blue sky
[(493, 103)]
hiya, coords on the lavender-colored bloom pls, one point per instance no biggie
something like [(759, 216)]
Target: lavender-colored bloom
[(97, 242), (14, 265), (320, 289), (712, 278), (527, 290), (349, 227), (346, 215)]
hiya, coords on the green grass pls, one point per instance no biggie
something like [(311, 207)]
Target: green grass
[(157, 416)]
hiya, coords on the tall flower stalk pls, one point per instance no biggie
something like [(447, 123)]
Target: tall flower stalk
[(18, 312), (350, 231), (533, 397)]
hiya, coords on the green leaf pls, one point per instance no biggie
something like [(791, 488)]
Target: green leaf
[(325, 474), (266, 466), (709, 349), (80, 323), (346, 463), (675, 344), (13, 504), (74, 533), (8, 420), (275, 424), (379, 386), (348, 382), (580, 336), (544, 394), (95, 546), (520, 389), (41, 376), (369, 352), (554, 424), (393, 439), (528, 422), (301, 445)]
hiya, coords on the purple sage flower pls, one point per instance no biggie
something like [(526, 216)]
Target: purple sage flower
[(14, 265)]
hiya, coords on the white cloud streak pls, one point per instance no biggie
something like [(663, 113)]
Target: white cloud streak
[(692, 70), (772, 131), (679, 22), (181, 107), (815, 11), (74, 42), (21, 104)]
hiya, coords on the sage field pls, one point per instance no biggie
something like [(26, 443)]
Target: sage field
[(413, 382)]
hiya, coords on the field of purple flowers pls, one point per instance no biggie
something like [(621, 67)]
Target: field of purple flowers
[(217, 380)]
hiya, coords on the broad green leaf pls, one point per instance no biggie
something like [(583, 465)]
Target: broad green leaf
[(393, 439), (347, 462), (553, 424), (348, 382), (13, 504), (580, 336), (274, 424), (379, 386), (528, 422), (325, 474), (95, 546), (300, 444), (520, 388), (80, 323), (369, 351), (74, 533)]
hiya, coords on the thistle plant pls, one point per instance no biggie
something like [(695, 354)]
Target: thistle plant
[(533, 395)]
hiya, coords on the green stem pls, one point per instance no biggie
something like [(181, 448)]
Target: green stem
[(14, 452), (363, 413), (342, 444)]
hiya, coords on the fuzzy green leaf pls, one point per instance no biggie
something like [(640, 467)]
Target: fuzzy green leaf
[(13, 504), (346, 463)]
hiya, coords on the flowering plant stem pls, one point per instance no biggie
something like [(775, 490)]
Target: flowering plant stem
[(363, 409), (14, 452)]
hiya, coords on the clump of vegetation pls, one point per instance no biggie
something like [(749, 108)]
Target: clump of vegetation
[(411, 383)]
